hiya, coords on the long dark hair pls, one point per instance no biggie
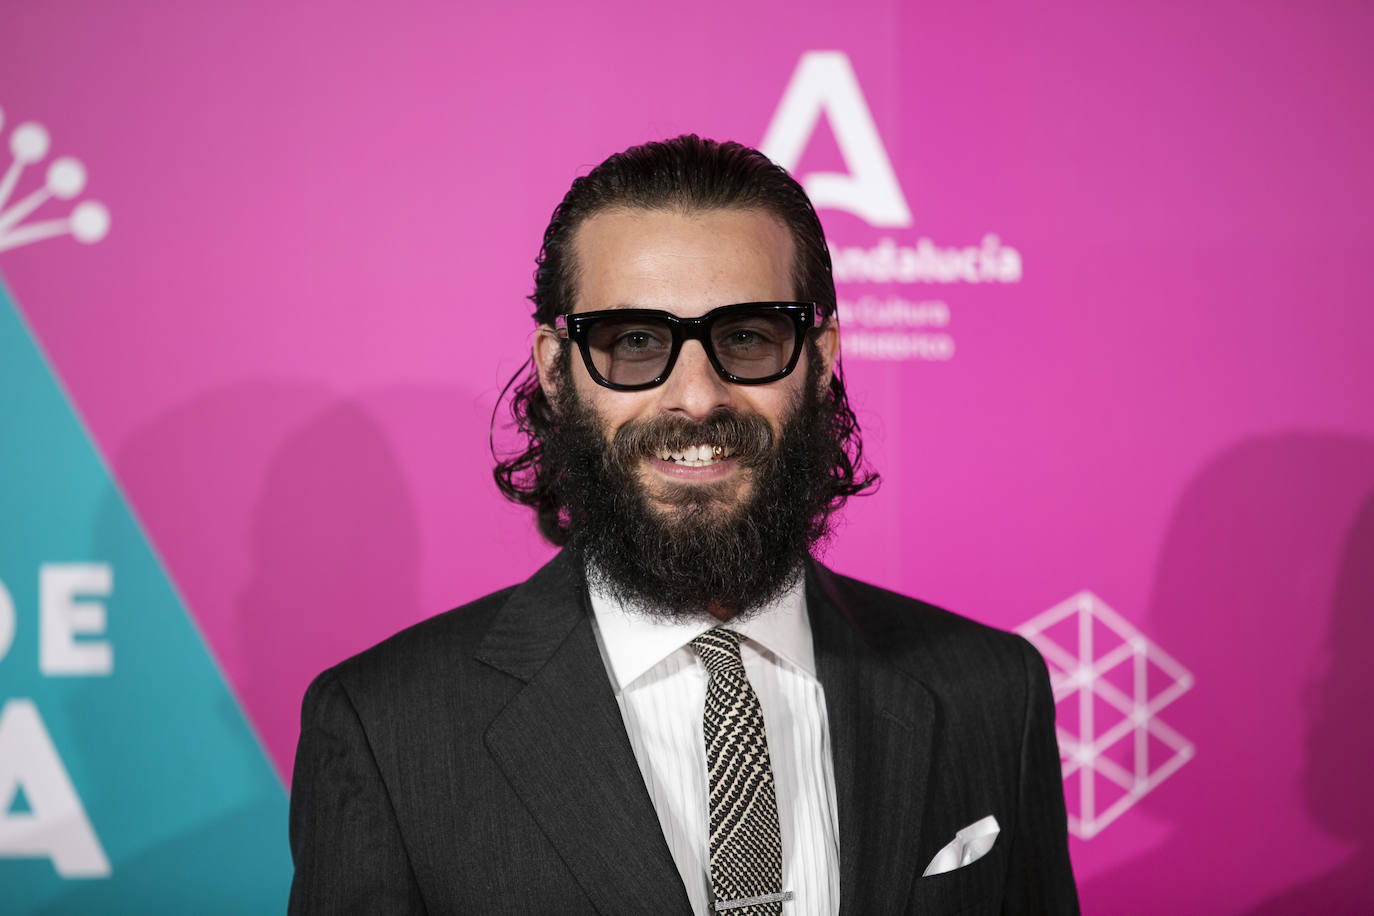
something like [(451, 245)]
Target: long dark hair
[(684, 173)]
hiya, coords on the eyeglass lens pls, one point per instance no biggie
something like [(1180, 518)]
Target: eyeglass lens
[(749, 345)]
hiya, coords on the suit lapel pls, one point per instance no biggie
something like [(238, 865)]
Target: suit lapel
[(881, 723), (561, 744)]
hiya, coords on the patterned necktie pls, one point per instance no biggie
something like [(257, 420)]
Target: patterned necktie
[(746, 843)]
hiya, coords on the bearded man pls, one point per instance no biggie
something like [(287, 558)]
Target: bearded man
[(683, 712)]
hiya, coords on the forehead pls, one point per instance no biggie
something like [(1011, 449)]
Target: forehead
[(685, 262)]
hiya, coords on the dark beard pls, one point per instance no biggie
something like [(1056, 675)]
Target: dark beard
[(702, 554)]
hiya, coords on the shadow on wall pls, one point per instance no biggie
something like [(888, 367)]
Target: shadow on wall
[(1268, 562), (335, 551), (284, 518), (1340, 739), (302, 527)]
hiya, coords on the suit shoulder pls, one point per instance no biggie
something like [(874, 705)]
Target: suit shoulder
[(938, 639), (436, 645), (894, 611)]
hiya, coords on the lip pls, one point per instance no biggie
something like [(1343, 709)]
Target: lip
[(719, 469)]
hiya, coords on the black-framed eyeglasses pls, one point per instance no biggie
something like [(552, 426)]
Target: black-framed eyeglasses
[(750, 343)]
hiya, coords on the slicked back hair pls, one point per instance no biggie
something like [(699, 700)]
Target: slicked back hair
[(685, 174)]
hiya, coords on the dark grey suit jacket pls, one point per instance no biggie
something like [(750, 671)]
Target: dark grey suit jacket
[(477, 763)]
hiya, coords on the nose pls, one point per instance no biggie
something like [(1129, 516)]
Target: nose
[(693, 387)]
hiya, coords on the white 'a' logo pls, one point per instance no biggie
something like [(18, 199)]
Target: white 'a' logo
[(55, 826), (824, 82)]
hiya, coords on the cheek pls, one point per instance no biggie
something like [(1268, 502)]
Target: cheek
[(613, 409), (776, 402)]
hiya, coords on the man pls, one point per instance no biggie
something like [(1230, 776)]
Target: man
[(683, 712)]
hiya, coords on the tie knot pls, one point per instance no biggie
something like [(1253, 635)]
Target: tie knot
[(718, 649)]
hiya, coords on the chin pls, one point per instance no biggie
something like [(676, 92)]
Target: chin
[(697, 517), (722, 498)]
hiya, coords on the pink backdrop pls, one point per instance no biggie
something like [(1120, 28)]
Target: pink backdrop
[(324, 218)]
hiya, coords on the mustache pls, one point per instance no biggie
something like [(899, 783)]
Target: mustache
[(747, 436)]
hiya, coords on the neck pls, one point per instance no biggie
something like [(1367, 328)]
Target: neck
[(719, 611)]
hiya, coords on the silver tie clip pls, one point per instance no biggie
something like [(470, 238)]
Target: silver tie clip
[(780, 897)]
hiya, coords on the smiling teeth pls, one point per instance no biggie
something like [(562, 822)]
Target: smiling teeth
[(696, 456)]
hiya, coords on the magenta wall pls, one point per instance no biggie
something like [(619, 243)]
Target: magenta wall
[(1155, 387)]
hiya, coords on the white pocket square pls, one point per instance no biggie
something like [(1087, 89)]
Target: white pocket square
[(968, 845)]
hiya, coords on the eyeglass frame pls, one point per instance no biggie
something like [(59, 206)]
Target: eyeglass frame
[(574, 327)]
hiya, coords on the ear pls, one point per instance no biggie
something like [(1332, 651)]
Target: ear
[(828, 344), (548, 348)]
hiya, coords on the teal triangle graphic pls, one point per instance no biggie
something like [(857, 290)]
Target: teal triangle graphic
[(178, 794), (19, 804)]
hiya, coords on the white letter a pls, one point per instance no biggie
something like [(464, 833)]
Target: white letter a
[(55, 826), (825, 82)]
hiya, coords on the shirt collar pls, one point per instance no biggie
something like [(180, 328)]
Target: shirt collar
[(634, 641)]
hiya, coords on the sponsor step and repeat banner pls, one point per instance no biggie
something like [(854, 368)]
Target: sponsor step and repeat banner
[(1103, 317)]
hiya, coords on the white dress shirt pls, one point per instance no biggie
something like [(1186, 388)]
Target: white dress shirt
[(660, 685)]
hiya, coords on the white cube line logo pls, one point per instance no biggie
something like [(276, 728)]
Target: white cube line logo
[(1110, 682), (64, 179)]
